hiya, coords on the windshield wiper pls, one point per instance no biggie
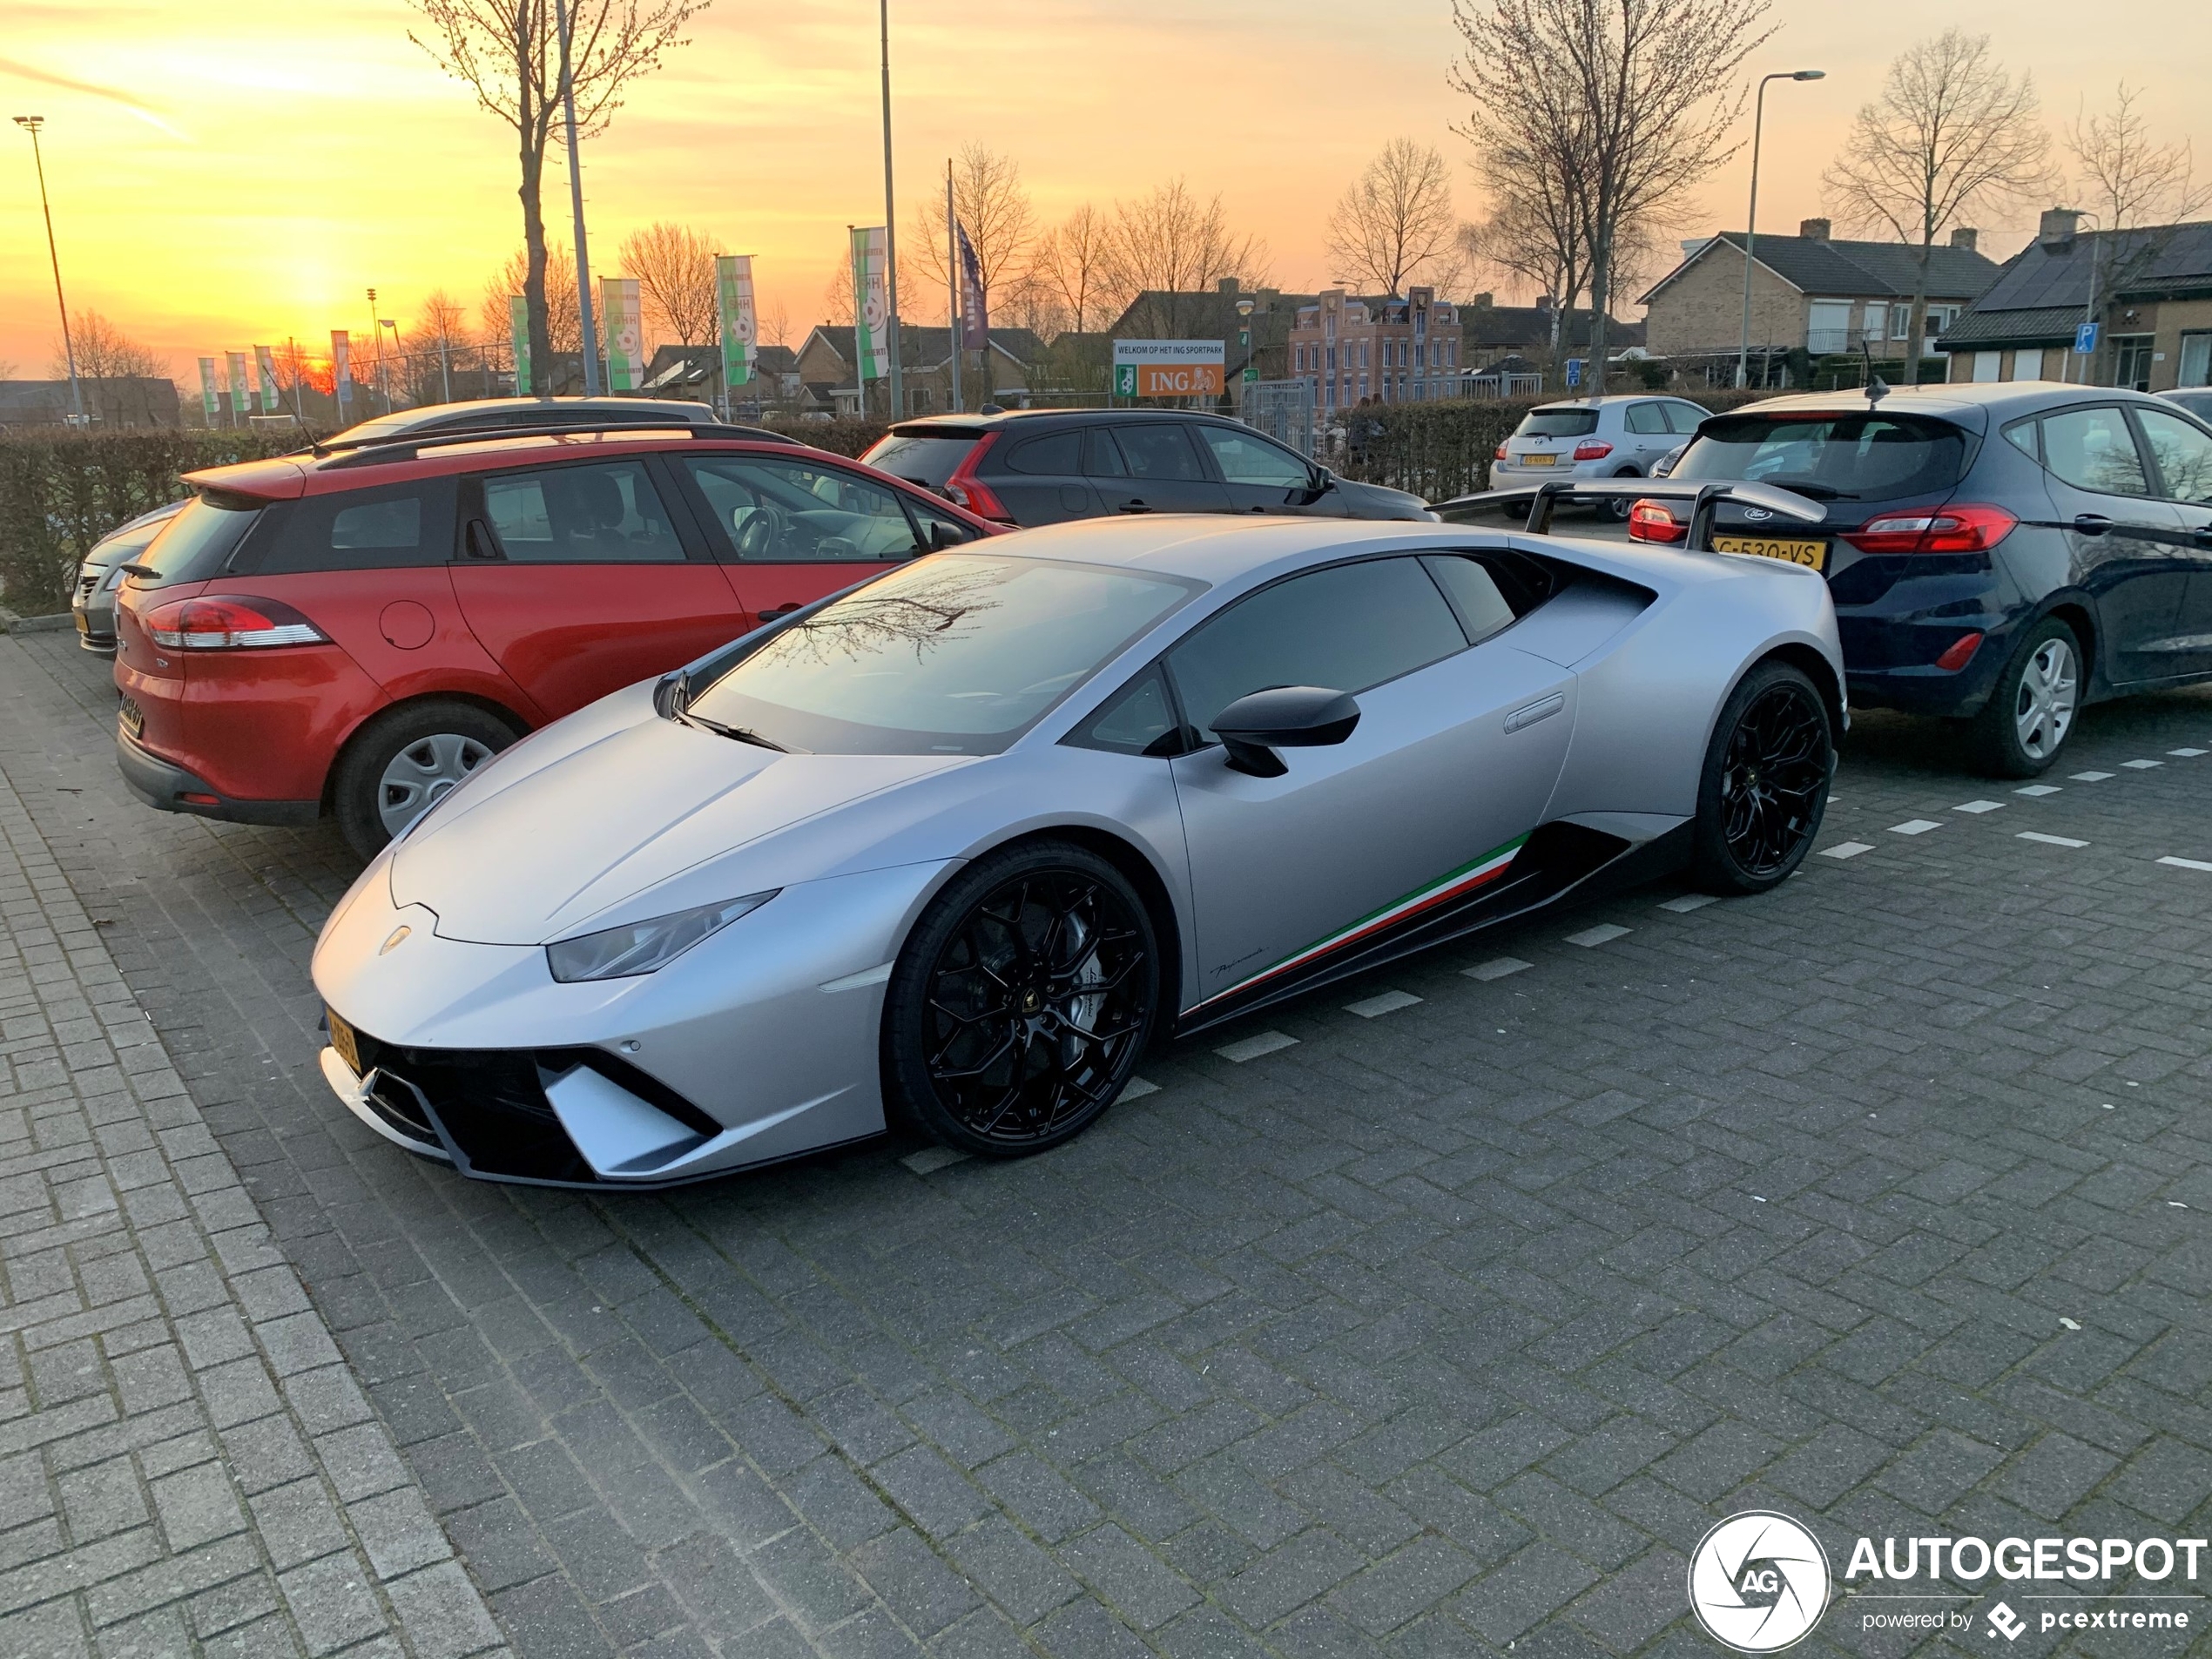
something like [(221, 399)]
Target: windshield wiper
[(740, 734), (1809, 490)]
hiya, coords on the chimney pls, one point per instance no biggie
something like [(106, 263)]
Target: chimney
[(1965, 239), (1225, 285), (2056, 232), (1813, 230)]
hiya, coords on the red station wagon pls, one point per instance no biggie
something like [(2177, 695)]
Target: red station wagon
[(356, 632)]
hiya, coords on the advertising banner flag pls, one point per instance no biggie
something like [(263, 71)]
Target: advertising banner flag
[(518, 326), (211, 400), (974, 313), (871, 306), (240, 403), (1168, 367), (734, 320), (620, 306), (265, 359), (341, 370)]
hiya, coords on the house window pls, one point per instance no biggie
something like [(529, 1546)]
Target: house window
[(2131, 360), (1828, 326), (1900, 321), (1989, 365), (2027, 363), (2197, 361), (1877, 313)]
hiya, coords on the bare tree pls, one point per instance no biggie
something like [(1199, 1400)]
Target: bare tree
[(1628, 104), (2129, 179), (508, 53), (443, 318), (837, 298), (1071, 265), (775, 323), (1171, 245), (674, 265), (1951, 133), (106, 352), (1394, 224), (563, 323), (993, 207)]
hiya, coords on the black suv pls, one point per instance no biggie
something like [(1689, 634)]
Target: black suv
[(1030, 467)]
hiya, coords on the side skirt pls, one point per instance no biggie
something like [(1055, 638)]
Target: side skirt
[(1560, 861)]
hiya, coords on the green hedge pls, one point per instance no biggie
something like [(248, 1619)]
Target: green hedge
[(847, 436), (60, 492)]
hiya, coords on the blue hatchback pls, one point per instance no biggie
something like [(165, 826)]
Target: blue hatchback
[(1998, 554)]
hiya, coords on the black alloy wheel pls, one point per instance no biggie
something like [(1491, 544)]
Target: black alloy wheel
[(1765, 784), (1022, 1002)]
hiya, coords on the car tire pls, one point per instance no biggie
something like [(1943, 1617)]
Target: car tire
[(2032, 708), (404, 762), (1764, 785), (978, 1048)]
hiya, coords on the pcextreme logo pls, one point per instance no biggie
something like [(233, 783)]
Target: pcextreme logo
[(1758, 1581)]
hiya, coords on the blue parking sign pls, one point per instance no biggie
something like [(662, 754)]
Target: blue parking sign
[(1573, 371), (2085, 338)]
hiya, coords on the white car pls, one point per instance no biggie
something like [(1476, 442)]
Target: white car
[(1594, 437)]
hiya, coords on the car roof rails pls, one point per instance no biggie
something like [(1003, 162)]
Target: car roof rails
[(407, 446)]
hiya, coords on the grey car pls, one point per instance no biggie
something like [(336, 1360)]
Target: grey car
[(92, 603), (956, 844), (1615, 436)]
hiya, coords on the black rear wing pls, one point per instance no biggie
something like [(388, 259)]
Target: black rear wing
[(1703, 496)]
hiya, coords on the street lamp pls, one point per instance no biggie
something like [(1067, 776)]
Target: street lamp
[(1752, 217), (576, 207), (30, 123), (1246, 371), (891, 228)]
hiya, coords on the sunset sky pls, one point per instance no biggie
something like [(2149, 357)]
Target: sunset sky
[(229, 171)]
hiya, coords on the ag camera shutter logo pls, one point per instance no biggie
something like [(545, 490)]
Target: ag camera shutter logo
[(1758, 1581)]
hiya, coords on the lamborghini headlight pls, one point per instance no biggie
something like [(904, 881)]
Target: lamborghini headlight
[(642, 947)]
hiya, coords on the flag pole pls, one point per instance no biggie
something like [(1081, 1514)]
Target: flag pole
[(890, 219), (952, 287)]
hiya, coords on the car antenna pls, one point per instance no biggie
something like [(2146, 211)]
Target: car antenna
[(1877, 388)]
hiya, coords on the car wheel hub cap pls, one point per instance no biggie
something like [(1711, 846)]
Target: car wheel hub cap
[(2049, 690), (1771, 783), (424, 773)]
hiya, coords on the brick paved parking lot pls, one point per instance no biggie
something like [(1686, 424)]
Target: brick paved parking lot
[(1439, 1314)]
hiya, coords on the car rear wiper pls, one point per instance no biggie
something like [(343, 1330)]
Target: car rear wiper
[(740, 734), (1809, 490)]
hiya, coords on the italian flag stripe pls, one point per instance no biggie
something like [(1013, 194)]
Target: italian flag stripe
[(1466, 879)]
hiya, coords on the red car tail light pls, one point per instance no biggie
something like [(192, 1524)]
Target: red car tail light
[(1500, 456), (1934, 530), (229, 624), (1650, 522), (1959, 653), (1592, 450), (963, 489)]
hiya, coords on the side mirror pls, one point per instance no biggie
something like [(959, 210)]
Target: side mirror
[(1285, 717)]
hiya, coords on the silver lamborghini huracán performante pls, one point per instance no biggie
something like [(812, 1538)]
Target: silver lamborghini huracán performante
[(957, 845)]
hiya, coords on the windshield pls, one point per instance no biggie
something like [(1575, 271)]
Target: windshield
[(955, 654), (1849, 456), (197, 541), (921, 460), (1557, 423)]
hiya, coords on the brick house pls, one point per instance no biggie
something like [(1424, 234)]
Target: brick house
[(1348, 346), (1211, 314), (825, 368), (1810, 292), (2153, 308)]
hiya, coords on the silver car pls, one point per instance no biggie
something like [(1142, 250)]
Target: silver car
[(1594, 437), (92, 603), (956, 844)]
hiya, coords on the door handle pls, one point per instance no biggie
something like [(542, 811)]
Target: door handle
[(1542, 708), (780, 611), (2203, 536), (1135, 504), (2092, 525)]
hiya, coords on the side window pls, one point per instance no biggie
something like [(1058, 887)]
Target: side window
[(1159, 450), (1102, 455), (939, 530), (1245, 459), (1685, 417), (1057, 454), (2094, 449), (1139, 721), (2021, 435), (2183, 454), (1348, 628), (1482, 606), (1647, 419), (795, 511), (363, 529), (606, 512)]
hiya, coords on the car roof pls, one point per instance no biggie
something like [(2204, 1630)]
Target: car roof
[(1610, 399), (523, 411), (922, 426), (2000, 399)]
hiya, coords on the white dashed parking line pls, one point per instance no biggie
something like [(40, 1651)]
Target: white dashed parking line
[(2041, 789), (2186, 754), (932, 1159), (1388, 1002), (1846, 850), (1687, 902), (1604, 933), (2141, 765), (1979, 807), (1914, 826), (2187, 864), (1253, 1047), (1140, 1086), (1496, 967), (2050, 841), (2085, 777)]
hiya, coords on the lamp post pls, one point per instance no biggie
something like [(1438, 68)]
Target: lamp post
[(576, 208), (382, 323), (1245, 372), (1752, 217), (891, 222), (30, 123)]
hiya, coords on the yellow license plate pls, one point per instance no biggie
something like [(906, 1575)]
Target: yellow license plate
[(1539, 461), (1811, 555), (341, 1038)]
